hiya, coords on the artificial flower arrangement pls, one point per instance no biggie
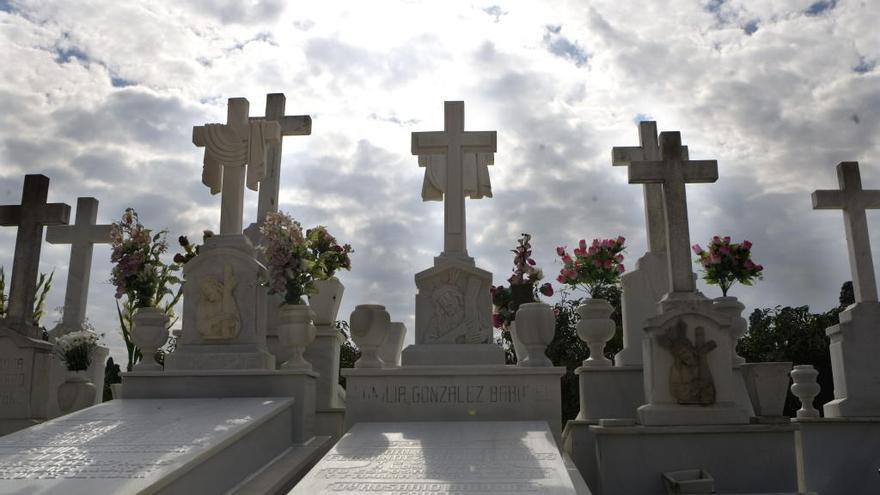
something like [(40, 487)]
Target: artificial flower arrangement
[(327, 251), (295, 261), (725, 263), (138, 270), (75, 349), (523, 281), (592, 268), (190, 250)]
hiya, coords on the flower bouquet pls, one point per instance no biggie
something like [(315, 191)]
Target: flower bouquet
[(725, 263), (75, 349)]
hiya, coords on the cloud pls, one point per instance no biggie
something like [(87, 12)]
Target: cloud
[(563, 47)]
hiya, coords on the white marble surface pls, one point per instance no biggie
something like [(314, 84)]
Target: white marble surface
[(128, 446), (441, 458)]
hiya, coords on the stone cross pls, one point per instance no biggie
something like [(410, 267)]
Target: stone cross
[(30, 216), (454, 142), (81, 236), (673, 171), (648, 150), (854, 200), (229, 148), (291, 125)]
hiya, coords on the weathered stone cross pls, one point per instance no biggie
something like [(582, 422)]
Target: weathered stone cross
[(453, 142), (81, 236), (291, 125), (30, 216), (648, 150), (228, 149), (854, 200), (673, 171)]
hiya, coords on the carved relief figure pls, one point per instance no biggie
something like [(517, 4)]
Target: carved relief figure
[(217, 314), (455, 317), (690, 380), (475, 176)]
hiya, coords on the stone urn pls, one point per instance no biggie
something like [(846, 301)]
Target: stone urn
[(76, 393), (522, 355), (767, 385), (805, 388), (325, 303), (391, 349), (369, 328), (596, 328), (149, 331), (295, 333), (536, 325), (731, 308)]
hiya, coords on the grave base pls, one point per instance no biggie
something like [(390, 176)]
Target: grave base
[(839, 456), (579, 443), (452, 355), (610, 392), (741, 458), (454, 393), (330, 422), (299, 385)]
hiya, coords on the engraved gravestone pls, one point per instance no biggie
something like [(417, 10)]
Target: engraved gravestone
[(492, 457), (453, 306), (147, 446)]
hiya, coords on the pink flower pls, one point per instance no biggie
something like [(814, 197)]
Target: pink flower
[(620, 268), (606, 263), (621, 239), (578, 251), (714, 259), (696, 249), (530, 262), (582, 244), (560, 251), (561, 278), (497, 320), (546, 289), (618, 258), (727, 239), (749, 264), (592, 250), (724, 250), (759, 268), (746, 245), (596, 262), (566, 259)]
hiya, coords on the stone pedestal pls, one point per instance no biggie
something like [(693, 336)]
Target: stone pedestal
[(447, 393), (688, 373), (611, 392), (323, 354), (224, 323), (453, 316), (741, 458), (25, 392), (854, 363), (838, 456), (643, 288)]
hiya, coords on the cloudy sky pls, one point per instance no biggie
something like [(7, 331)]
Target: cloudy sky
[(101, 97)]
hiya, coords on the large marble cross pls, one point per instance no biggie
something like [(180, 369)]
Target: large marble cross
[(648, 150), (673, 170), (30, 216), (229, 148), (82, 236), (454, 142), (291, 125), (854, 200)]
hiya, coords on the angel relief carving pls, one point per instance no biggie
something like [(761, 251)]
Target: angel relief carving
[(455, 317), (217, 316)]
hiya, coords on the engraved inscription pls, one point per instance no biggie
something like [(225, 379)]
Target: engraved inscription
[(446, 394)]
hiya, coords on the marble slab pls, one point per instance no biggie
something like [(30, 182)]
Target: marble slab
[(147, 446), (491, 457)]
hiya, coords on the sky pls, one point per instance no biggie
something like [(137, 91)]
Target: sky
[(102, 96)]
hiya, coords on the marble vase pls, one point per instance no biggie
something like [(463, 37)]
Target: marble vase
[(805, 388), (325, 303), (296, 332), (522, 356), (76, 393), (767, 385), (149, 332), (596, 328), (535, 329), (369, 328), (731, 308)]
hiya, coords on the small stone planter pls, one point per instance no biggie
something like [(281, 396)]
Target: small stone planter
[(369, 328), (325, 303), (149, 331), (76, 393), (536, 325), (767, 385), (296, 332), (596, 328)]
